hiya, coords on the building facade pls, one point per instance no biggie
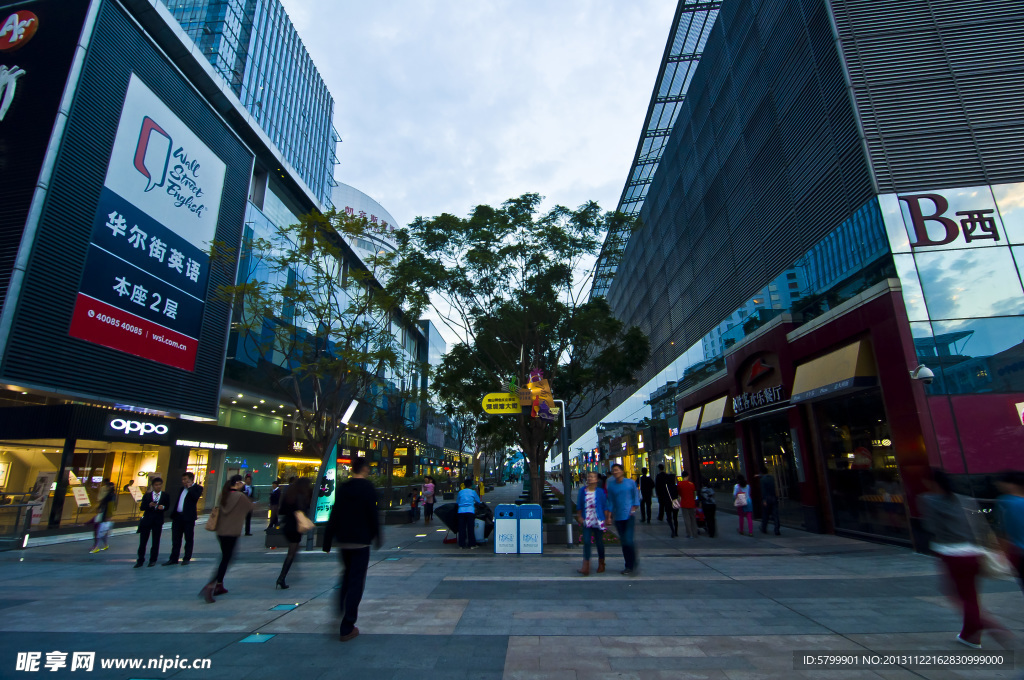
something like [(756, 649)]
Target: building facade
[(123, 156), (254, 47), (815, 231)]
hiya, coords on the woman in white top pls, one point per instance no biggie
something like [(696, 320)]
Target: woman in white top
[(743, 503)]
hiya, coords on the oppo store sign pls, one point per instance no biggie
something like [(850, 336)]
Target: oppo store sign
[(142, 429)]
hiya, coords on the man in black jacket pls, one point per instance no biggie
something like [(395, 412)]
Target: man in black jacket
[(353, 525), (153, 504), (646, 493), (662, 482), (183, 517)]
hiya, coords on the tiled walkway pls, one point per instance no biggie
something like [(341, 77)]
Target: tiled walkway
[(731, 607)]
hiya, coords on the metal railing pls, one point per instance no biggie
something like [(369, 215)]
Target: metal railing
[(15, 522)]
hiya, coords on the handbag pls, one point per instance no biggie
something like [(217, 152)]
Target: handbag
[(211, 523), (740, 500), (992, 561), (303, 523)]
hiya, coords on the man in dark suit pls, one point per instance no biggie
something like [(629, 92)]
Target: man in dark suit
[(662, 482), (183, 517), (646, 493), (353, 526), (153, 504), (249, 493)]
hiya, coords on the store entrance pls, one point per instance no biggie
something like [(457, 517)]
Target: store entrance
[(860, 465), (775, 453)]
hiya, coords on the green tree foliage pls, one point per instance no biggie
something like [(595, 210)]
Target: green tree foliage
[(514, 283), (323, 328)]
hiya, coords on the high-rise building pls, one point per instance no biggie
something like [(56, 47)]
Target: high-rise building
[(827, 264), (253, 45)]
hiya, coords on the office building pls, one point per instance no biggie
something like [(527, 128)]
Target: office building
[(839, 202)]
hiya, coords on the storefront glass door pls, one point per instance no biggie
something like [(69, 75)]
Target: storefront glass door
[(719, 461), (860, 465), (775, 453)]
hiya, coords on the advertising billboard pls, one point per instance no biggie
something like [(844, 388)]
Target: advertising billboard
[(118, 299), (147, 267)]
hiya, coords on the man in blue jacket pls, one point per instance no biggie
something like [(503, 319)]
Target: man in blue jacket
[(624, 501), (467, 499)]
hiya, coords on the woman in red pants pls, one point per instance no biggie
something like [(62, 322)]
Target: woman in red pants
[(949, 518)]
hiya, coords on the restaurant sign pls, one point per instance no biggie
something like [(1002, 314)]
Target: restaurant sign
[(748, 401)]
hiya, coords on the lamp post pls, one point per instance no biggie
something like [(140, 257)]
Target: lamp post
[(563, 443)]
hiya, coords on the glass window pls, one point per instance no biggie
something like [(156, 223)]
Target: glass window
[(718, 460), (978, 282), (954, 210), (1010, 200), (981, 355), (913, 298), (860, 465)]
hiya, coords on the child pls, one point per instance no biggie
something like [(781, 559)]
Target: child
[(414, 505)]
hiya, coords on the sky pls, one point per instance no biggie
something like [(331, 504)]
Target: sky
[(443, 106)]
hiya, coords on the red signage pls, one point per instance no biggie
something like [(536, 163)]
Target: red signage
[(109, 326), (17, 30)]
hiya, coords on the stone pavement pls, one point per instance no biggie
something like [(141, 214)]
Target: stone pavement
[(731, 607)]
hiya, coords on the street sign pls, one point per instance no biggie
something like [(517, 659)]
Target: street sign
[(501, 403)]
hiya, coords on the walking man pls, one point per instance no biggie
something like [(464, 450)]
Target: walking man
[(769, 502), (624, 501), (709, 505), (248, 491), (275, 502), (353, 526), (688, 504), (646, 493), (183, 517), (662, 482), (154, 502)]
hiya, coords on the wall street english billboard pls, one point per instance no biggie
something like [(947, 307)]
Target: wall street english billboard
[(118, 300)]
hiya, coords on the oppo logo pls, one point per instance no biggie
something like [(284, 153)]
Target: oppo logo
[(137, 427)]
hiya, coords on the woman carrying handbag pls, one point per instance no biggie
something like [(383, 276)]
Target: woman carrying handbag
[(229, 520), (294, 522)]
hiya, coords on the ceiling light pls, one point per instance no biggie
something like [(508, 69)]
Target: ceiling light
[(263, 401), (255, 406), (234, 401), (240, 396)]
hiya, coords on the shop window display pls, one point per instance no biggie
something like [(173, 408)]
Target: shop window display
[(719, 461), (860, 465)]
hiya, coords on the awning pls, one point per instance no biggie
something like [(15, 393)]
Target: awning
[(848, 368), (717, 412), (690, 421)]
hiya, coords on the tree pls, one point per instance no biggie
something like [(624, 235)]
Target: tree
[(513, 284), (319, 327)]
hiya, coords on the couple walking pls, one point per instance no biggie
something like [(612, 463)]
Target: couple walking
[(597, 508)]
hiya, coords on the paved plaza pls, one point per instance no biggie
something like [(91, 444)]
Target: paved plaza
[(730, 607)]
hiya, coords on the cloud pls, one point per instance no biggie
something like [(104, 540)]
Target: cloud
[(445, 105)]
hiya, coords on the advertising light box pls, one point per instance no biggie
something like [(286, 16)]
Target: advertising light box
[(146, 272)]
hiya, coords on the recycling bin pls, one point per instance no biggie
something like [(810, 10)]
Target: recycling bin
[(506, 529), (531, 533)]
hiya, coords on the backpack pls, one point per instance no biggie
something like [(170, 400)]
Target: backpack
[(741, 499), (707, 496)]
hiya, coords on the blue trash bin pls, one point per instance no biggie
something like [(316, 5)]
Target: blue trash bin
[(531, 532), (506, 529)]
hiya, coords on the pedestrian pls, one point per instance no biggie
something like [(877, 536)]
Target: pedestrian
[(294, 522), (275, 502), (687, 504), (127, 488), (769, 502), (744, 505), (951, 520), (250, 493), (624, 501), (414, 505), (662, 482), (232, 510), (467, 499), (153, 504), (672, 511), (354, 526), (592, 513), (709, 505), (184, 512), (646, 493), (429, 489), (103, 522), (1010, 506)]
